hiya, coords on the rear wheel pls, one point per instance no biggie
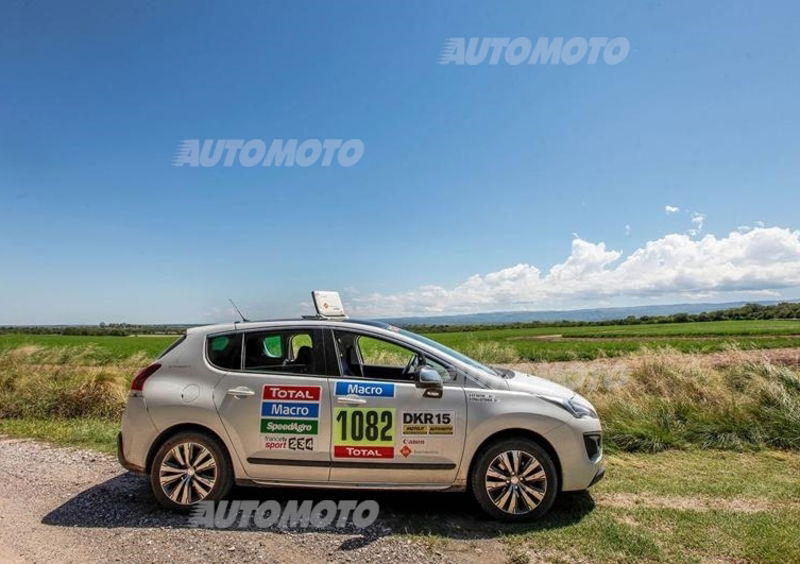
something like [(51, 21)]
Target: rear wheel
[(514, 480), (188, 468)]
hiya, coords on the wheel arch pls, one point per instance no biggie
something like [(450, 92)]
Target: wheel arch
[(515, 433), (164, 435)]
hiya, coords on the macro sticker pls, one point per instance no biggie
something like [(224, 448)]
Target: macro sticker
[(287, 409), (365, 389)]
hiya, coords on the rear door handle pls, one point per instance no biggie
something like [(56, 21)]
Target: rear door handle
[(240, 392), (348, 400)]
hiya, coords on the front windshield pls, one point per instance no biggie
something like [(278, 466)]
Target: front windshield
[(447, 350)]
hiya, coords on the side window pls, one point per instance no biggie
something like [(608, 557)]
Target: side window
[(294, 352), (370, 357), (225, 351), (375, 352)]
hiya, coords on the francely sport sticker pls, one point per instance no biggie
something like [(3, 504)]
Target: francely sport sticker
[(365, 389), (428, 423), (363, 432), (289, 410), (289, 443)]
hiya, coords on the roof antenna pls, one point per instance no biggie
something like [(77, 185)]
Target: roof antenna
[(244, 319)]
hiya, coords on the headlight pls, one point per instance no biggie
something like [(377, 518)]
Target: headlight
[(577, 407)]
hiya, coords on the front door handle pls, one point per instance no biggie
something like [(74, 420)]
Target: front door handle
[(348, 400), (241, 392)]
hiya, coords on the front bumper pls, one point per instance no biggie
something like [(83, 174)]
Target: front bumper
[(598, 476), (581, 457), (121, 457)]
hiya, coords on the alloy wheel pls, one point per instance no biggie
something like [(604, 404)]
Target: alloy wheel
[(188, 473), (516, 482)]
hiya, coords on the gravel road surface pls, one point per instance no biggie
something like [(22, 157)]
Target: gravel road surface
[(72, 505)]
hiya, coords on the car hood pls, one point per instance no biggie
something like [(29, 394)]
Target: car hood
[(522, 382)]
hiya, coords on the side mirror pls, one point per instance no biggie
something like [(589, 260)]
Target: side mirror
[(430, 381)]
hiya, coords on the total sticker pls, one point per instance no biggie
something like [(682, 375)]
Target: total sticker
[(363, 426)]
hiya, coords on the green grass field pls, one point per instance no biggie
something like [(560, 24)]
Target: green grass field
[(673, 506), (703, 459), (545, 343)]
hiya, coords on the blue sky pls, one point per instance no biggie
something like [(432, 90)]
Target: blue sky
[(467, 170)]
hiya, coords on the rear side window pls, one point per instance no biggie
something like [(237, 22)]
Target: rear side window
[(225, 351), (173, 346), (297, 351)]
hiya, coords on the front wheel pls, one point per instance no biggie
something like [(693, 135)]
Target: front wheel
[(514, 480), (188, 468)]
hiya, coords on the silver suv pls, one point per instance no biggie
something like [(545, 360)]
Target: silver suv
[(326, 402)]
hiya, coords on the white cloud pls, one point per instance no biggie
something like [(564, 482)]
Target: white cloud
[(760, 260), (698, 220), (671, 209)]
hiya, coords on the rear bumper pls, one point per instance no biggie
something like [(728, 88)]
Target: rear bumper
[(121, 457)]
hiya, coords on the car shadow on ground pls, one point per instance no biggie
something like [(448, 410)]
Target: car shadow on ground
[(126, 501)]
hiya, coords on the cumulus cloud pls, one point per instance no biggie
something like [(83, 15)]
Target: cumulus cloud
[(759, 260), (671, 209)]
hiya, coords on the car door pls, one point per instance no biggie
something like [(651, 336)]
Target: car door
[(276, 408), (385, 430)]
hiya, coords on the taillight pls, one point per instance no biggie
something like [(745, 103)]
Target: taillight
[(138, 381)]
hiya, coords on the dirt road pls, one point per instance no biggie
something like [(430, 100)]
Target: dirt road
[(70, 505)]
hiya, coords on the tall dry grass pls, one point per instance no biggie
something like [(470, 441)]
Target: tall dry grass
[(666, 399), (655, 400), (63, 382)]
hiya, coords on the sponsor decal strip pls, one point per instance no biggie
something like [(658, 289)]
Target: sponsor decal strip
[(290, 426), (289, 409), (428, 423), (291, 393), (365, 389), (361, 432), (363, 452)]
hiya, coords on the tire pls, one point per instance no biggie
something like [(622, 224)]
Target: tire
[(185, 485), (523, 492)]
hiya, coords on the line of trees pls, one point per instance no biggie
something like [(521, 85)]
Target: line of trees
[(783, 310), (103, 329)]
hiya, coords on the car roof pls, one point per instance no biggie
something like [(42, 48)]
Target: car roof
[(292, 322)]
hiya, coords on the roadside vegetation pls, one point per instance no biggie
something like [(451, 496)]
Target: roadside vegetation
[(703, 449)]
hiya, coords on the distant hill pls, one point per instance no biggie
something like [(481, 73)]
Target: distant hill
[(595, 314)]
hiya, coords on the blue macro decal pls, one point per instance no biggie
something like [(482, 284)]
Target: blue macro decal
[(365, 389), (289, 409)]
